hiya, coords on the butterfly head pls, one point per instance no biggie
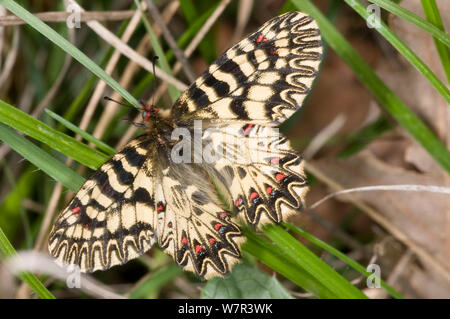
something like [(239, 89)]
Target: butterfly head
[(148, 111)]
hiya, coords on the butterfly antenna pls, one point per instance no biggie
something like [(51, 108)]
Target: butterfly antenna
[(107, 98)]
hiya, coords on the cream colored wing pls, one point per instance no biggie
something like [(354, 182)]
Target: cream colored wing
[(110, 219), (259, 169), (263, 79), (192, 226)]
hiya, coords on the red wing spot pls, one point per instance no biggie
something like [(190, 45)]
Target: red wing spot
[(198, 249), (217, 226), (280, 176), (212, 240), (238, 202), (275, 160), (273, 52), (269, 190), (247, 129), (254, 195), (86, 226), (223, 215), (160, 208), (184, 241), (76, 209), (261, 38)]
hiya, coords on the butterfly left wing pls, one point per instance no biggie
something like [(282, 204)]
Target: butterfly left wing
[(110, 219)]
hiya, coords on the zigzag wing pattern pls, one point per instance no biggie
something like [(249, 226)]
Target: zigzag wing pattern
[(262, 173), (141, 196), (126, 206), (263, 79), (192, 227), (109, 222)]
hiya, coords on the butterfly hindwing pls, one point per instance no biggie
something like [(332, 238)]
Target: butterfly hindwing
[(132, 202), (262, 173), (263, 79), (192, 227)]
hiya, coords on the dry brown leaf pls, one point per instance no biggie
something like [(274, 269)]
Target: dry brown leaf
[(421, 216)]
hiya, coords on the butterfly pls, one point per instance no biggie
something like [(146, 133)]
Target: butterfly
[(145, 194)]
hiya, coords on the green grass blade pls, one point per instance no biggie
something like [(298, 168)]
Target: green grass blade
[(273, 257), (409, 16), (391, 102), (191, 13), (312, 264), (38, 130), (162, 62), (404, 50), (53, 36), (40, 159), (360, 140), (153, 284), (103, 146), (342, 257), (433, 16), (8, 250)]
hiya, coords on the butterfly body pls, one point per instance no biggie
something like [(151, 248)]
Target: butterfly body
[(220, 136)]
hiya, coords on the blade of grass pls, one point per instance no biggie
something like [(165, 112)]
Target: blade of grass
[(383, 94), (103, 146), (7, 251), (312, 264), (190, 13), (40, 159), (38, 130), (404, 50), (433, 16), (361, 139), (88, 87), (153, 284), (342, 257), (162, 62), (409, 16), (51, 35), (271, 256)]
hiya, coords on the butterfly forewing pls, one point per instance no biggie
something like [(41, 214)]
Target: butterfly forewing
[(141, 196), (263, 79)]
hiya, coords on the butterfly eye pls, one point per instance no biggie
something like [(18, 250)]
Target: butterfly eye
[(146, 115)]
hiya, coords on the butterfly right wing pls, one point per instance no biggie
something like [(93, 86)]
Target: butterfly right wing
[(259, 169), (262, 80), (191, 225)]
